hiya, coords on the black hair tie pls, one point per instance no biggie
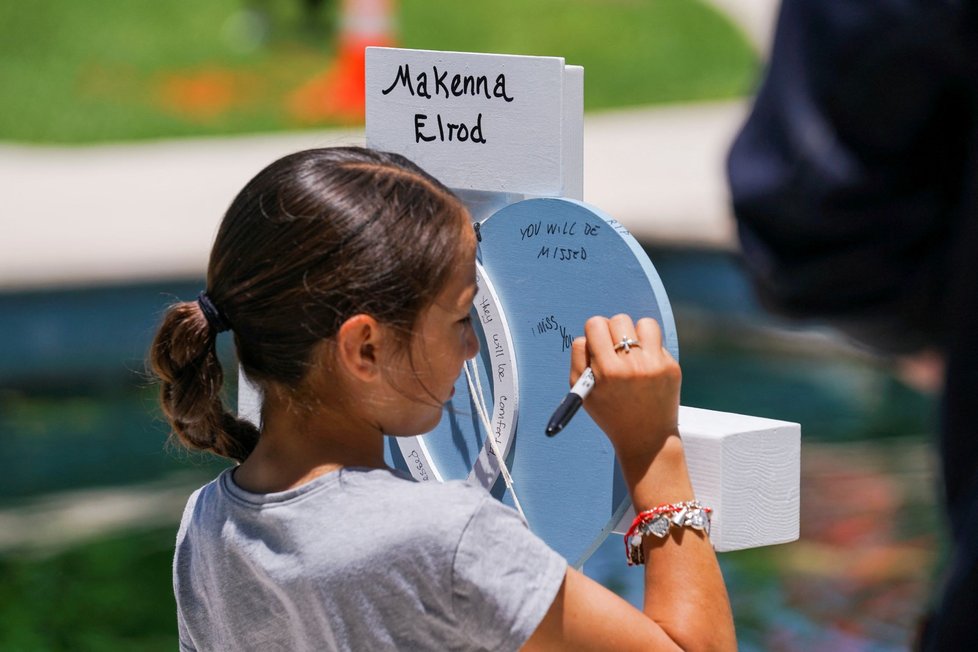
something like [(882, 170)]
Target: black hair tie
[(213, 316)]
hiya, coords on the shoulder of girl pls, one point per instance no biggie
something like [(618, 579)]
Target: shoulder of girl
[(448, 487), (452, 498)]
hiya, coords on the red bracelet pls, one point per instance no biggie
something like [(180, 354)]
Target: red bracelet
[(659, 520)]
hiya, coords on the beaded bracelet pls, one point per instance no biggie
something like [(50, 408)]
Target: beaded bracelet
[(659, 520)]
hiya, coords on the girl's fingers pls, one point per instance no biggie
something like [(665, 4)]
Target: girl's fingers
[(579, 358), (622, 331), (649, 334), (602, 335), (600, 346)]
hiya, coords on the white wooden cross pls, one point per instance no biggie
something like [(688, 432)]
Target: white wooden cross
[(499, 129)]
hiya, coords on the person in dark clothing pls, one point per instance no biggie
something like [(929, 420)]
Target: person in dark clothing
[(855, 188)]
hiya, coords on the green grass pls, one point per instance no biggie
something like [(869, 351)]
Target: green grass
[(78, 72), (110, 594), (70, 440), (633, 51)]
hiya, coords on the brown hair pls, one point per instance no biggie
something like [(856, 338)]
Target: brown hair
[(315, 238)]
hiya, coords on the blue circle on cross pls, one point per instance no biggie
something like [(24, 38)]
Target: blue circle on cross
[(547, 265)]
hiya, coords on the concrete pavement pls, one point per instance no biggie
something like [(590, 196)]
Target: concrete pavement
[(150, 210), (755, 17)]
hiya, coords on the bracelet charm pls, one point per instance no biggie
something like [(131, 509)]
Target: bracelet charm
[(658, 522)]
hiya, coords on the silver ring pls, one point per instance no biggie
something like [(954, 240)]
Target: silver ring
[(627, 343)]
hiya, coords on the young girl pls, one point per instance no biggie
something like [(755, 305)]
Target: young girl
[(347, 276)]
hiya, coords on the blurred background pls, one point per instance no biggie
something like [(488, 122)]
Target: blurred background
[(126, 129)]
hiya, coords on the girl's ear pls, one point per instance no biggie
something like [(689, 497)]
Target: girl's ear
[(359, 342)]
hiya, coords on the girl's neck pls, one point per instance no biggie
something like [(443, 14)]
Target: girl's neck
[(298, 445)]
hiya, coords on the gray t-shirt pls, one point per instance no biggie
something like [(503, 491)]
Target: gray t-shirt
[(359, 559)]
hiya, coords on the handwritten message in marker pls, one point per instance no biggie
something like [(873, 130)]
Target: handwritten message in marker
[(475, 121)]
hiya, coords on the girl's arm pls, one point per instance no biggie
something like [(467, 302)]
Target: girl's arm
[(635, 401)]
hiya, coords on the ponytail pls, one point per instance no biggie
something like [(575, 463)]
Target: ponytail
[(184, 358)]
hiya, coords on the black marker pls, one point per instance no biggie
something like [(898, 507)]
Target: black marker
[(569, 406)]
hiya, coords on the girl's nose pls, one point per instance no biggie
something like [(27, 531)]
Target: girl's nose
[(471, 342)]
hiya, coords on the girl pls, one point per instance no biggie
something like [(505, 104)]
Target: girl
[(347, 276)]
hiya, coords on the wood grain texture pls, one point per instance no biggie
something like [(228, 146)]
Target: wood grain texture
[(748, 470)]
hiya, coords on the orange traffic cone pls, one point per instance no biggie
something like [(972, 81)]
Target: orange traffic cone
[(338, 93)]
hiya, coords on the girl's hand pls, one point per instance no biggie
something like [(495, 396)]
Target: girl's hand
[(635, 399)]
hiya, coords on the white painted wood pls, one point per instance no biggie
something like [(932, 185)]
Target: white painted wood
[(572, 131), (511, 140), (482, 204), (748, 470)]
